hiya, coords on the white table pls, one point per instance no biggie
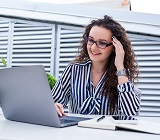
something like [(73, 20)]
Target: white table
[(10, 130)]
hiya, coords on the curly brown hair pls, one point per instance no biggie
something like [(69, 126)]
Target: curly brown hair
[(111, 81)]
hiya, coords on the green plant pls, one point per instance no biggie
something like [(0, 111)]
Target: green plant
[(51, 80), (4, 61)]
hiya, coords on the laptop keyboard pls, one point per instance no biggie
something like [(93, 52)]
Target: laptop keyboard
[(69, 119), (64, 121)]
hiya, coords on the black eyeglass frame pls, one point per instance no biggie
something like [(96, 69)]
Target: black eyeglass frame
[(106, 44)]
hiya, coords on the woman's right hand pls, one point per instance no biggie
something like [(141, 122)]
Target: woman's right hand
[(59, 108)]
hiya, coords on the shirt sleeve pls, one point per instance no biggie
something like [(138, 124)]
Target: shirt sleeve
[(61, 90), (128, 99)]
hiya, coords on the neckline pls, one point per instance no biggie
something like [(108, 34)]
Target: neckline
[(100, 80)]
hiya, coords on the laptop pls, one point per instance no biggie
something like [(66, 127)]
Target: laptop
[(25, 96)]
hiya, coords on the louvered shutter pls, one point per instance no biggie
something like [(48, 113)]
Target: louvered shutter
[(33, 43), (147, 49), (4, 39), (68, 41)]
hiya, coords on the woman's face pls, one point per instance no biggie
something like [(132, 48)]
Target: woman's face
[(96, 53)]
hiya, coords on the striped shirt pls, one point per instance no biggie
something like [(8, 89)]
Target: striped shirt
[(75, 89)]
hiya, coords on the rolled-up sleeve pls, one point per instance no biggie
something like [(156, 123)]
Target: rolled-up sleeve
[(128, 99), (61, 90)]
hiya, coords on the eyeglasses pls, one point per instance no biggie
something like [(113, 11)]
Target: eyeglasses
[(100, 44)]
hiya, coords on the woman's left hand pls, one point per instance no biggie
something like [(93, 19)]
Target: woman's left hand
[(119, 58)]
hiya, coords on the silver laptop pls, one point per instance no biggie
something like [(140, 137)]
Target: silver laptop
[(25, 96)]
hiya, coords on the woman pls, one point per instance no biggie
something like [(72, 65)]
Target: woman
[(100, 80)]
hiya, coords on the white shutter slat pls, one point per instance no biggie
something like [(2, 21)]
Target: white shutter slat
[(3, 21), (33, 33), (146, 48), (149, 86), (3, 38), (35, 37), (145, 43), (151, 75), (149, 63), (20, 56), (2, 34), (69, 40), (150, 92), (3, 51), (149, 69), (71, 35), (70, 45), (31, 28), (32, 41), (31, 50), (150, 111), (4, 56), (4, 29), (149, 53), (153, 109), (150, 98), (32, 46), (4, 42), (67, 55), (69, 50), (149, 80), (145, 58), (32, 60), (29, 63), (151, 103), (150, 114), (70, 31), (22, 25), (4, 25), (66, 59)]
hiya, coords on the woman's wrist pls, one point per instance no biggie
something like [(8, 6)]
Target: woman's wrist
[(120, 68), (122, 80)]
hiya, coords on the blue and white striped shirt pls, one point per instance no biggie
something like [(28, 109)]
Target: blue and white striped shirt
[(76, 88)]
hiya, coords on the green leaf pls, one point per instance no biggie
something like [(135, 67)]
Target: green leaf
[(51, 80), (4, 62)]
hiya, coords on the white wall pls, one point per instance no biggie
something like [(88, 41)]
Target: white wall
[(146, 6)]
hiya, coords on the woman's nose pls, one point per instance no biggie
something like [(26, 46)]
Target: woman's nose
[(94, 46)]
